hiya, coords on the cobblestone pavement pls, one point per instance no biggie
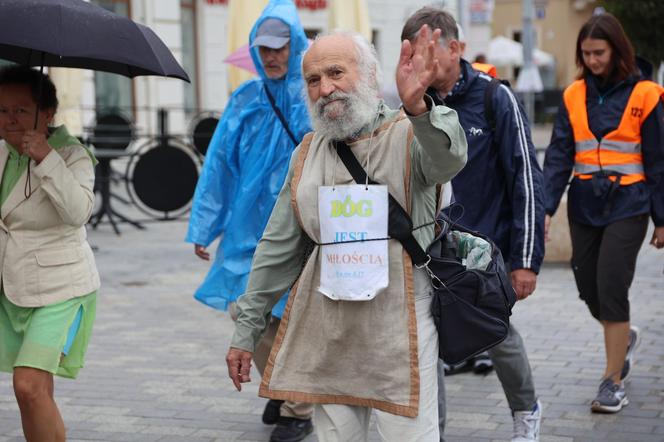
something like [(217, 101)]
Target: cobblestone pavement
[(155, 368)]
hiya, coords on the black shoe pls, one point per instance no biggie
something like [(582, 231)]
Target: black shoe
[(482, 364), (461, 367), (271, 413), (290, 429)]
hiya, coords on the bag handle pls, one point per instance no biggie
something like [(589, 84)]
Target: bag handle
[(280, 115), (399, 225)]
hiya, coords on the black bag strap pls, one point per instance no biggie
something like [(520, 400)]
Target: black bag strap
[(399, 225), (280, 115), (489, 92)]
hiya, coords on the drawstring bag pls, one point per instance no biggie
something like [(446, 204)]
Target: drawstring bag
[(473, 296)]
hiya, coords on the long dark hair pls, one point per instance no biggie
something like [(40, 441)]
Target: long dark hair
[(606, 27)]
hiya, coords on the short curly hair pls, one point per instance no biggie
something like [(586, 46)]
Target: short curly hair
[(32, 78)]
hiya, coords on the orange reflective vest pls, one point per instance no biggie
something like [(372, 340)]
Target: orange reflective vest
[(486, 68), (619, 151)]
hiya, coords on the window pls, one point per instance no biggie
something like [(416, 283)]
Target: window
[(311, 33), (374, 39), (113, 92), (189, 55)]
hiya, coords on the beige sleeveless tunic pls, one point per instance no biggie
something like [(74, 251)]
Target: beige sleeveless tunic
[(345, 352), (333, 349)]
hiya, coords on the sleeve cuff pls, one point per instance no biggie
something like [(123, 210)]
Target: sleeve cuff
[(438, 118), (243, 338), (428, 101), (50, 162), (535, 267)]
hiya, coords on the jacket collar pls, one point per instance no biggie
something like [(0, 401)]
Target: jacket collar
[(17, 194), (58, 137)]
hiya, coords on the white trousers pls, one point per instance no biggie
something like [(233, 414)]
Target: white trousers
[(344, 423)]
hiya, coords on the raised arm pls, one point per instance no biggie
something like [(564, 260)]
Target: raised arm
[(439, 149), (416, 70), (67, 182)]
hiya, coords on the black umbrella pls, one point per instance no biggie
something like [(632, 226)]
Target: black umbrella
[(77, 34)]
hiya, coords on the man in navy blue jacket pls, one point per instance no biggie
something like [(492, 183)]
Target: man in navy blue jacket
[(500, 189)]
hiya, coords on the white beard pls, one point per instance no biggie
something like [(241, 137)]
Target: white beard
[(346, 117)]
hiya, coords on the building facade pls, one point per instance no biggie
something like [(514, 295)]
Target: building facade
[(557, 24), (196, 32)]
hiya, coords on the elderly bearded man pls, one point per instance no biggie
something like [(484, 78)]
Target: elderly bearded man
[(346, 355)]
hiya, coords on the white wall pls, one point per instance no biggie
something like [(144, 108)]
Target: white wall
[(163, 16), (212, 49), (387, 18)]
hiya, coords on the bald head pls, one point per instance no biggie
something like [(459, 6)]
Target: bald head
[(339, 70), (330, 64), (337, 43), (331, 43)]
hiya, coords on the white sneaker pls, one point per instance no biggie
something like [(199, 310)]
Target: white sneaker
[(527, 424)]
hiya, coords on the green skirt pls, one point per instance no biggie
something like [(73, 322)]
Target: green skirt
[(35, 336)]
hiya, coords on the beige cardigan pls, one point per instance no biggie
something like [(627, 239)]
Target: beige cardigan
[(44, 254)]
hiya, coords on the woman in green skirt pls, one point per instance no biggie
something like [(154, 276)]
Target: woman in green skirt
[(49, 279)]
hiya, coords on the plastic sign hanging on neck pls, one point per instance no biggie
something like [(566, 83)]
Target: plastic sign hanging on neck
[(354, 254)]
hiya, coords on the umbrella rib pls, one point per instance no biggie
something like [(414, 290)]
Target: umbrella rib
[(59, 25), (152, 47)]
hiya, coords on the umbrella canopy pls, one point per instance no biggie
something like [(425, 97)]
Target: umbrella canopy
[(529, 80), (505, 52), (77, 34), (241, 58)]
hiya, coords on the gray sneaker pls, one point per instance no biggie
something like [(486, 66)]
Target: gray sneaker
[(634, 341), (610, 398)]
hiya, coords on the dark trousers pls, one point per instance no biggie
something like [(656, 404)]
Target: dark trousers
[(603, 261)]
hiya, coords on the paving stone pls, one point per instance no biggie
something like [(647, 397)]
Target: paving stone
[(190, 438), (155, 368)]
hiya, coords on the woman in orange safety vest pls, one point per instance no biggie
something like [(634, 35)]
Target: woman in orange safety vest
[(609, 134)]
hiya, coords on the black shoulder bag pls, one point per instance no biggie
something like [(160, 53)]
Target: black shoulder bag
[(470, 307), (284, 123)]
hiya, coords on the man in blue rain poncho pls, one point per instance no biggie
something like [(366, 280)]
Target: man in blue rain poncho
[(244, 169)]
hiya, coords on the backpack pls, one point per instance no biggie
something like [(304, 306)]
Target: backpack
[(489, 92)]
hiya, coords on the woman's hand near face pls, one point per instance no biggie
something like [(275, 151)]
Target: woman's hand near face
[(34, 145)]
